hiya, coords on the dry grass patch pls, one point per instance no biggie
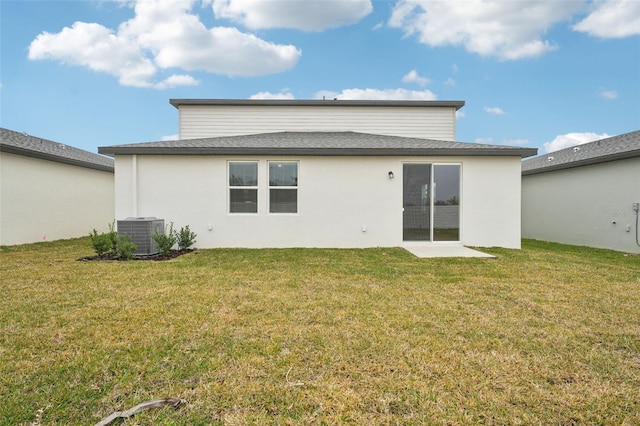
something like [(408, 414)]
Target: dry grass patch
[(545, 335)]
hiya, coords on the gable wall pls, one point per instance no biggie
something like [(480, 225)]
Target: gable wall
[(336, 197), (580, 205), (45, 200), (199, 121)]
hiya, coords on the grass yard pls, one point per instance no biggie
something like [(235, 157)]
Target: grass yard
[(549, 334)]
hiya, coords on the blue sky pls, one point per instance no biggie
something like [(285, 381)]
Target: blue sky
[(543, 74)]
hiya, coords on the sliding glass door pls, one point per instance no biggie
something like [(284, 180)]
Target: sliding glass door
[(431, 202), (416, 206), (446, 204)]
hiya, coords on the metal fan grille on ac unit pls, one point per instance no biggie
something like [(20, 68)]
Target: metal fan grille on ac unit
[(141, 231)]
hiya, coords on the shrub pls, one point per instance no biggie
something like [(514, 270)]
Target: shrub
[(186, 238), (101, 243), (113, 237), (165, 241), (125, 247), (105, 242)]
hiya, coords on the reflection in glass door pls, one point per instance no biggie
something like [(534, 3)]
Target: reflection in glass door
[(416, 204), (446, 202)]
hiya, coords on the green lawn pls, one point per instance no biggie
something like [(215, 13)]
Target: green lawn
[(549, 334)]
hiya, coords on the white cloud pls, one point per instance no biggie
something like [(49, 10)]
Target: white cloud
[(460, 114), (608, 94), (494, 111), (285, 94), (413, 77), (612, 19), (572, 139), (508, 30), (170, 137), (451, 81), (376, 94), (304, 15), (175, 81), (162, 35), (97, 48)]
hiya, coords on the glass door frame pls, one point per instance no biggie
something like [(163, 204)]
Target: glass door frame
[(432, 201)]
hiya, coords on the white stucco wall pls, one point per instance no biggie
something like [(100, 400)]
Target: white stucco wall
[(199, 121), (589, 205), (45, 200), (337, 196), (491, 202)]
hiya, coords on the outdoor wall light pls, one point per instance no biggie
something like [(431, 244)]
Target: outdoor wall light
[(391, 174)]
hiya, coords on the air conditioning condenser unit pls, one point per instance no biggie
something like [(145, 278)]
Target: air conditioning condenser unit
[(141, 231)]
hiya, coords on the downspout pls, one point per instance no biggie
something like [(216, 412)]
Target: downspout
[(134, 185)]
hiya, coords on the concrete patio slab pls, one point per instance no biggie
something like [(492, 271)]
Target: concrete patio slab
[(445, 251)]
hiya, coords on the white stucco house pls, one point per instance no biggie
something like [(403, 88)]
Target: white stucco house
[(585, 195), (51, 191), (316, 173)]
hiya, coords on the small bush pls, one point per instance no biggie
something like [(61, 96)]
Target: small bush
[(113, 236), (186, 238), (125, 247), (101, 243), (165, 241)]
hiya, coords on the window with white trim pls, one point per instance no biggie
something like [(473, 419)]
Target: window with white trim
[(243, 187), (283, 187)]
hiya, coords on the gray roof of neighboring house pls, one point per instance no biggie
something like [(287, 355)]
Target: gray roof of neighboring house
[(601, 151), (316, 102), (31, 146), (316, 143)]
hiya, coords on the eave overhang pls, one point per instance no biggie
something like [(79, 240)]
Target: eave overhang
[(327, 152), (581, 163), (315, 102), (55, 158)]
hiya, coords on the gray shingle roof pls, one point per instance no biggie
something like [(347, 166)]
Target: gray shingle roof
[(31, 146), (316, 102), (316, 143), (610, 149)]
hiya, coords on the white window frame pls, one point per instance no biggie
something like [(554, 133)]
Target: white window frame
[(253, 187), (270, 187)]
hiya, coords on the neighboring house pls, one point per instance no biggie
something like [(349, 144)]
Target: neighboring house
[(51, 191), (292, 173), (585, 195)]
